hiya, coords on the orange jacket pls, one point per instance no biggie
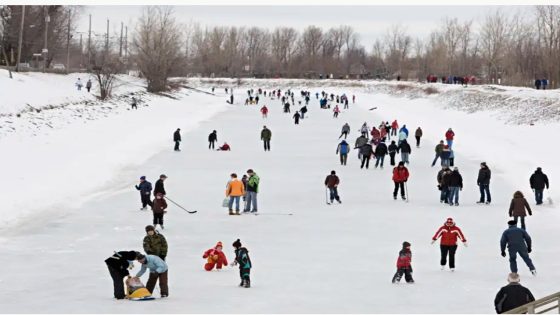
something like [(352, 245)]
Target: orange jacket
[(235, 188)]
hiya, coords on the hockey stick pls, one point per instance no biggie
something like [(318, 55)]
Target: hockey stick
[(178, 205)]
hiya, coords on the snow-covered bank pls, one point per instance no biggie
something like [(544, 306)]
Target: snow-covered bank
[(56, 158)]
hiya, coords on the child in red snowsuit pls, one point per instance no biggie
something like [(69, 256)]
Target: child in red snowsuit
[(404, 265), (215, 257), (264, 111)]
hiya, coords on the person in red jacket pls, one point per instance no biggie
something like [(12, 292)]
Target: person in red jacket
[(400, 176), (394, 128), (449, 135), (449, 233), (404, 264), (264, 111), (216, 257)]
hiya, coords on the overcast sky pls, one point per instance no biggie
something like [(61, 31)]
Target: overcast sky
[(370, 22)]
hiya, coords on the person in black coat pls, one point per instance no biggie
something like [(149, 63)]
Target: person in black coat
[(118, 265), (366, 150), (512, 295), (296, 118), (538, 182), (380, 152), (517, 241), (177, 138), (455, 184), (159, 185), (213, 137), (393, 149), (483, 182)]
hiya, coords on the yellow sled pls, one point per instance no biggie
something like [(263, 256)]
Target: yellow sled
[(139, 292)]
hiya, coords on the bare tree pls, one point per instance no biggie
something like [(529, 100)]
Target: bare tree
[(158, 45), (494, 36)]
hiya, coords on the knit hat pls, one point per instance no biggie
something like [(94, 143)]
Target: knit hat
[(513, 278), (143, 177), (512, 222), (139, 256), (150, 228), (405, 244), (333, 172), (162, 176), (449, 222), (237, 243), (219, 244)]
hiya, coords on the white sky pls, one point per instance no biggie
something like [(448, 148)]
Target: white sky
[(370, 22)]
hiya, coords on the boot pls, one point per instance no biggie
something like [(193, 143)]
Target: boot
[(242, 283), (247, 283), (231, 212), (237, 212)]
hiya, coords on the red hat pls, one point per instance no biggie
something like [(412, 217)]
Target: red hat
[(219, 244), (449, 222)]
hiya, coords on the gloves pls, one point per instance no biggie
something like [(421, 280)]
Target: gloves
[(529, 249), (432, 242), (465, 243), (503, 254)]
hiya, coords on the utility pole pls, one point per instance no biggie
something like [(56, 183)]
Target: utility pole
[(68, 42), (46, 50), (89, 46), (120, 46), (20, 40), (107, 42)]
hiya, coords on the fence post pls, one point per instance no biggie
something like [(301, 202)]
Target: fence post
[(531, 308)]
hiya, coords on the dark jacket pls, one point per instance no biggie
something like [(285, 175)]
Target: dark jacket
[(120, 261), (381, 149), (145, 187), (155, 245), (404, 147), (360, 142), (159, 206), (418, 133), (159, 187), (518, 205), (242, 258), (393, 148), (515, 238), (455, 179), (439, 148), (484, 175), (511, 296), (176, 136), (266, 134), (539, 180), (212, 137), (331, 181), (366, 150), (296, 116)]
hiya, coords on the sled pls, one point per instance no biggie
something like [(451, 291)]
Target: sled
[(139, 291)]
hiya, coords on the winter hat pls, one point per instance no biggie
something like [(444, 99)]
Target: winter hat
[(405, 244), (512, 222), (401, 163), (143, 177), (539, 169), (483, 163), (455, 168), (449, 222), (237, 243), (333, 172), (219, 244), (513, 278), (150, 228), (162, 176), (250, 171)]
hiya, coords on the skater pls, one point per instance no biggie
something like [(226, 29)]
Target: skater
[(155, 243), (296, 118), (517, 208), (394, 128), (445, 156), (380, 152), (266, 135), (388, 130), (158, 208), (518, 242), (88, 85), (212, 138), (375, 135), (158, 271), (400, 176), (160, 189), (79, 84), (244, 261), (455, 185), (483, 182), (231, 98), (393, 149), (215, 258), (512, 295), (405, 150), (418, 135), (404, 264), (118, 265), (353, 99), (224, 147), (286, 107), (264, 111), (538, 182), (403, 135), (365, 130), (443, 184), (145, 188), (177, 139), (449, 233), (343, 149), (366, 151), (438, 149), (449, 135), (345, 131), (252, 190), (331, 182), (235, 190), (360, 142), (303, 110), (134, 104), (336, 110)]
